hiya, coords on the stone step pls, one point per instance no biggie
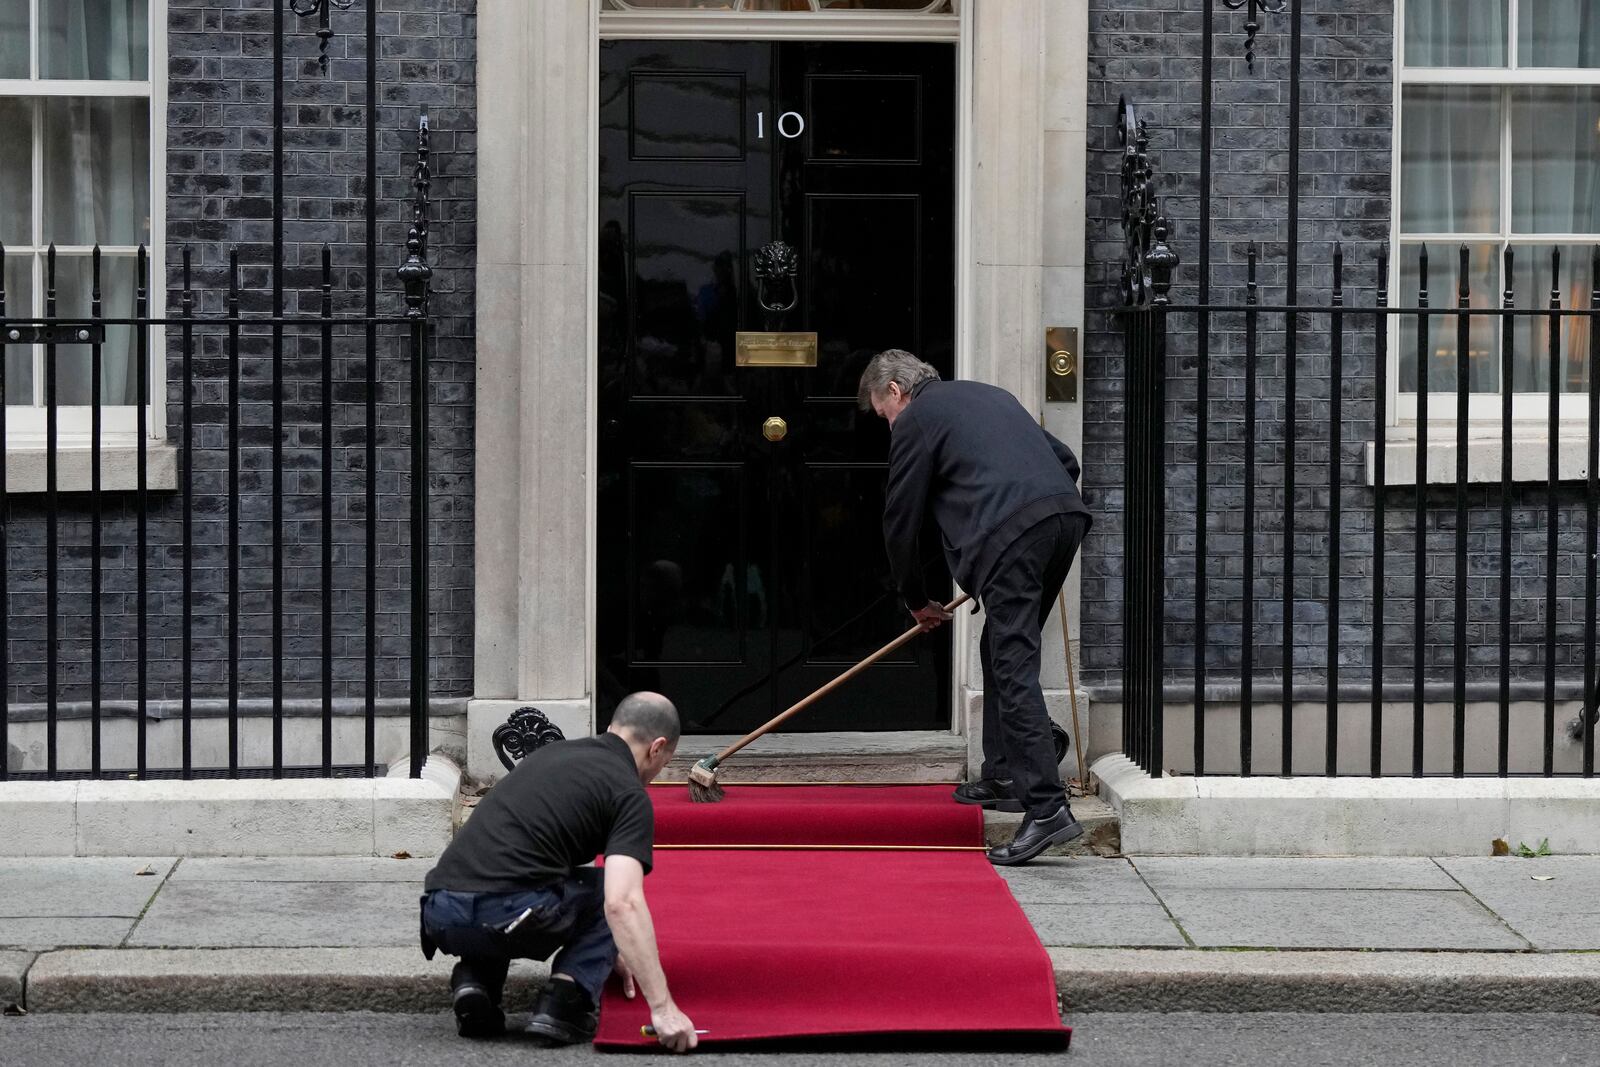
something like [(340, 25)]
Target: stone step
[(901, 757)]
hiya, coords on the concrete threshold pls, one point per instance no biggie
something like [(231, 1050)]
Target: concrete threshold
[(1352, 816), (895, 758)]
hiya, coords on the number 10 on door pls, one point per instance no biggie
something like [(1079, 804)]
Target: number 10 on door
[(791, 124)]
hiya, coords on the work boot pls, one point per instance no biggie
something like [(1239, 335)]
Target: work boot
[(995, 794), (1036, 835), (477, 1015), (564, 1015)]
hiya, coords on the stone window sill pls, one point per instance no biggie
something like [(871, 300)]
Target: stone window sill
[(1530, 458), (119, 468)]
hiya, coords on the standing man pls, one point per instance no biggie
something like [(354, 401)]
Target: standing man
[(1005, 496), (514, 885)]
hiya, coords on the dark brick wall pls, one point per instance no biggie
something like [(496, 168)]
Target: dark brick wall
[(219, 190), (1150, 50)]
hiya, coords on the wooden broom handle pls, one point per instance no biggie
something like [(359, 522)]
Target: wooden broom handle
[(806, 702)]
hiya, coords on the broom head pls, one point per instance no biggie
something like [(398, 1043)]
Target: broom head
[(703, 787)]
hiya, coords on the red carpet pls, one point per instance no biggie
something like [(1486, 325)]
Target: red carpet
[(785, 943)]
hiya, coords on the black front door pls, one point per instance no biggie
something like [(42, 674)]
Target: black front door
[(737, 572)]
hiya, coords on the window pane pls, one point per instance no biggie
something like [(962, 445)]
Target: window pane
[(19, 301), (1456, 33), (1555, 160), (100, 39), (13, 38), (1450, 159), (16, 171), (118, 278), (97, 171), (1444, 268), (1558, 33), (1530, 363)]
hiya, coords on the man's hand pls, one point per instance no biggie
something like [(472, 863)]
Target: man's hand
[(673, 1028), (931, 616), (629, 990)]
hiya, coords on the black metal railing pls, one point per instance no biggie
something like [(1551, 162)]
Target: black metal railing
[(221, 362), (1476, 666)]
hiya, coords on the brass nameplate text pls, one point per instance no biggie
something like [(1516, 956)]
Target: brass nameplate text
[(775, 349)]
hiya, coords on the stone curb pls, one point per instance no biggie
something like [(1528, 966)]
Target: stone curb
[(254, 979), (1143, 980), (13, 970), (1088, 980)]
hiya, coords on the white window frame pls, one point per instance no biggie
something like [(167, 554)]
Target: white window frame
[(1530, 410), (26, 425)]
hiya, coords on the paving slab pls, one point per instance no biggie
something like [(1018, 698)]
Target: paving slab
[(259, 979), (57, 932), (1091, 979), (83, 887), (280, 914), (1558, 909), (13, 968), (304, 869), (1338, 918), (1173, 872), (1126, 925), (1083, 880)]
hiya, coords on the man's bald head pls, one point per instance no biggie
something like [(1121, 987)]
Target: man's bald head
[(643, 717)]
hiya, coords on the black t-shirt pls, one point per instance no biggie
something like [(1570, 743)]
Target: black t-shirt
[(562, 806)]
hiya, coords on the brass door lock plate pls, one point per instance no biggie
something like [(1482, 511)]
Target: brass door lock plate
[(1061, 364)]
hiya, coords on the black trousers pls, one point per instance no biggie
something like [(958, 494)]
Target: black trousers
[(1017, 598)]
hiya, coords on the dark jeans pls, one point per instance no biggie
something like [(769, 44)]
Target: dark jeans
[(567, 919), (1017, 598)]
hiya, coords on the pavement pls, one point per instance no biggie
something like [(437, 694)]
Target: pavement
[(1126, 934)]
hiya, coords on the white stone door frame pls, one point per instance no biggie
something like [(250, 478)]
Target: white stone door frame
[(536, 388)]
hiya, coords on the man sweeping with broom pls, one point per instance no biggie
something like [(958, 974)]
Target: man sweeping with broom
[(514, 885), (1005, 496)]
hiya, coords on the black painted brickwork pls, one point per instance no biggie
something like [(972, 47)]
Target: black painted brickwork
[(219, 190), (1150, 50)]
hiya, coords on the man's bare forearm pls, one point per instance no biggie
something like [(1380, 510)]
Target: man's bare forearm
[(635, 935)]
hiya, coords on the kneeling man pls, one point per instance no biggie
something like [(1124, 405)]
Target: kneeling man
[(514, 885)]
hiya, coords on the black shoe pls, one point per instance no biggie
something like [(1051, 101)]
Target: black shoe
[(564, 1015), (477, 1015), (1035, 836), (992, 793)]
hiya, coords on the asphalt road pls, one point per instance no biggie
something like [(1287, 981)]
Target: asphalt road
[(357, 1040)]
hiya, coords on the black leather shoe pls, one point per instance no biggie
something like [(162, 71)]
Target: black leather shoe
[(1035, 836), (564, 1015), (991, 793), (477, 1015)]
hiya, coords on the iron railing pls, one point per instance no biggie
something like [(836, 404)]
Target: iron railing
[(1393, 627), (230, 359)]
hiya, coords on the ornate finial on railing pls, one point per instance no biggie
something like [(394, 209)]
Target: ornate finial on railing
[(1161, 260), (527, 729), (307, 8), (1148, 261), (1252, 22), (415, 272)]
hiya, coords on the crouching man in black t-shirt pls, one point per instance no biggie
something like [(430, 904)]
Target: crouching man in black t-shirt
[(513, 885)]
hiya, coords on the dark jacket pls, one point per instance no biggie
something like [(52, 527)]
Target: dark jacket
[(971, 455)]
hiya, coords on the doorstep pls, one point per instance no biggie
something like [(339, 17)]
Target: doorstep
[(910, 757)]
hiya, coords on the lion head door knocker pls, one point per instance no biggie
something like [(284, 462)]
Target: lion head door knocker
[(527, 729), (776, 266)]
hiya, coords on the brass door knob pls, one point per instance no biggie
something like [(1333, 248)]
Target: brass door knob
[(774, 429)]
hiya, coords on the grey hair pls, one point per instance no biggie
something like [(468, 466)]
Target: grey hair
[(647, 716), (892, 365)]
